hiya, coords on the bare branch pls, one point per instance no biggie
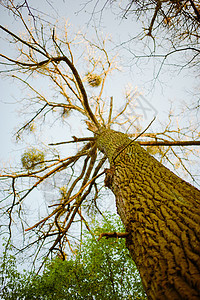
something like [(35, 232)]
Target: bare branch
[(74, 141), (110, 110), (121, 235), (169, 143), (22, 41)]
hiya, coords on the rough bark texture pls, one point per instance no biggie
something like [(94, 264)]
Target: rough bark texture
[(162, 214)]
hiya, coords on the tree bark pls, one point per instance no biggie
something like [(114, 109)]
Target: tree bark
[(162, 214)]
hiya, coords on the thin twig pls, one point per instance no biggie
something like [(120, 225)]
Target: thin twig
[(71, 199), (74, 141), (39, 111), (134, 139)]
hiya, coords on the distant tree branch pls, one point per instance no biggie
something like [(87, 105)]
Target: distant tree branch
[(143, 143), (113, 235), (22, 41), (56, 60), (32, 119), (195, 10), (157, 8), (75, 140), (169, 143)]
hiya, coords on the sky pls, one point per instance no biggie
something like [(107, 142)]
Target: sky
[(172, 88)]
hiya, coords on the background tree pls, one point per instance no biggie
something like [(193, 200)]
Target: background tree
[(101, 269), (160, 211), (168, 31), (179, 19)]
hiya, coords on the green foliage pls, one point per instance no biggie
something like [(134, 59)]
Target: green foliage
[(99, 270), (32, 158), (111, 271), (15, 285)]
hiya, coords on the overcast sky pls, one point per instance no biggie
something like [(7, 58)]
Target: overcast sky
[(173, 87)]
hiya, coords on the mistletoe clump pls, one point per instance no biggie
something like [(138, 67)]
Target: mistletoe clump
[(94, 80), (32, 158)]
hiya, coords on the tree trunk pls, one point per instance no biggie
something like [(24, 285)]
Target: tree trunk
[(162, 214)]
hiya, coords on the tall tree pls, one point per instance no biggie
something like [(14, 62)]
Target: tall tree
[(159, 210)]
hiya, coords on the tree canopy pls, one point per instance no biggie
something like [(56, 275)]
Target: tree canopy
[(164, 36), (173, 25), (55, 57)]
